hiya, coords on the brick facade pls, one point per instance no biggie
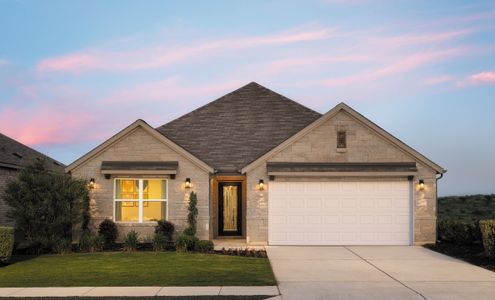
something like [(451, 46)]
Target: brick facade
[(363, 145), (140, 145)]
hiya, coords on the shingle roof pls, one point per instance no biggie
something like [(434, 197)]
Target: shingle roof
[(15, 155), (239, 127)]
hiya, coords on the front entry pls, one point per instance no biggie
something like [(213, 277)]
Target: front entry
[(230, 208)]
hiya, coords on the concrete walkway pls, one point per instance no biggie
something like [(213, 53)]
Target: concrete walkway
[(377, 272), (139, 291)]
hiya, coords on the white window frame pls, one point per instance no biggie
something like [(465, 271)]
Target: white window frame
[(140, 199)]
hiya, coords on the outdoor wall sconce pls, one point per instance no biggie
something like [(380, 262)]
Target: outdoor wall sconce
[(421, 184), (188, 183), (261, 184), (91, 183)]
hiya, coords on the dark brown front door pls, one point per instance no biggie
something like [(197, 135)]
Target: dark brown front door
[(230, 208)]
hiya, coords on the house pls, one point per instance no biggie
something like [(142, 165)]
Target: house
[(268, 170), (14, 156)]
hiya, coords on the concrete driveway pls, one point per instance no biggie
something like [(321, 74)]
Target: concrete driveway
[(376, 272)]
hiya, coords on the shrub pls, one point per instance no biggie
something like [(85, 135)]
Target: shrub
[(62, 246), (204, 246), (6, 243), (45, 205), (131, 241), (186, 242), (192, 215), (488, 233), (459, 232), (165, 228), (159, 242), (108, 230), (90, 242)]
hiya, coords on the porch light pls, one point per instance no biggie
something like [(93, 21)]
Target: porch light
[(188, 183), (261, 184), (421, 184), (91, 184)]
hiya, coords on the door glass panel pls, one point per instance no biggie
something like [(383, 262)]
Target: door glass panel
[(230, 208)]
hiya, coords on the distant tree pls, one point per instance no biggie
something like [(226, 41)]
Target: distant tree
[(46, 205)]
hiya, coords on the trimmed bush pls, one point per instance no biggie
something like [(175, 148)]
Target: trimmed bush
[(166, 229), (159, 242), (108, 230), (90, 242), (131, 241), (488, 233), (459, 232), (192, 215), (204, 246), (186, 242), (62, 246), (6, 243)]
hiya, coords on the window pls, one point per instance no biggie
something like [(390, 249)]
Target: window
[(140, 200), (341, 139)]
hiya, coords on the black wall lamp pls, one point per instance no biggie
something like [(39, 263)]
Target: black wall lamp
[(261, 184), (92, 183), (421, 184), (188, 183)]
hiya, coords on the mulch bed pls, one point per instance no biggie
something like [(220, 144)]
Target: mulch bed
[(473, 254)]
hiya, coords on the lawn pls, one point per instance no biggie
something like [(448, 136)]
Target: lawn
[(136, 269), (467, 208)]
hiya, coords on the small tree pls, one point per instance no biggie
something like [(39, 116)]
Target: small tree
[(46, 205), (192, 216)]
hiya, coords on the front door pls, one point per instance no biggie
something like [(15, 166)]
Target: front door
[(230, 208)]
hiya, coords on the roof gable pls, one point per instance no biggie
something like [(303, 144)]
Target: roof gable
[(129, 129), (359, 118), (239, 127), (15, 155)]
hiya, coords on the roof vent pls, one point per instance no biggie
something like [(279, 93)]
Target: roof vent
[(18, 155)]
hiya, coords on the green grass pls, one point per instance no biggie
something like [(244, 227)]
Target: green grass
[(467, 208), (136, 269)]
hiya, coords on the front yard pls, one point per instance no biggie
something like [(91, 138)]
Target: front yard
[(136, 269)]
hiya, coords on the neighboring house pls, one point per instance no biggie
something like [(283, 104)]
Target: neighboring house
[(268, 170), (14, 156)]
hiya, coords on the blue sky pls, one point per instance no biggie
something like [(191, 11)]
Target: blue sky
[(73, 73)]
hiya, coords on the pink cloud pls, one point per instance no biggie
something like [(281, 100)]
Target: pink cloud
[(483, 78), (152, 57), (401, 66), (435, 80)]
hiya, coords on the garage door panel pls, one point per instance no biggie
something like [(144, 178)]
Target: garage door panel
[(339, 213)]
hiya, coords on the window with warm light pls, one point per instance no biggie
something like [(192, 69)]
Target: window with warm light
[(140, 200)]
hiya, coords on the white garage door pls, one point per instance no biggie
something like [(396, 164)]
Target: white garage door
[(339, 213)]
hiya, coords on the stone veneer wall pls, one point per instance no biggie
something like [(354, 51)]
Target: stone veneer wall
[(5, 176), (363, 145), (138, 145)]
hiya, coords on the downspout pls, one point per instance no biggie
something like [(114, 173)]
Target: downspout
[(436, 204)]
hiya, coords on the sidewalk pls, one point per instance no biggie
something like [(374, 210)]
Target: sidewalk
[(140, 291)]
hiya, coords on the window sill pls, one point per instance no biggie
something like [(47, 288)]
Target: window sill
[(341, 150), (137, 224)]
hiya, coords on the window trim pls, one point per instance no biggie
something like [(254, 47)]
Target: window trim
[(140, 199)]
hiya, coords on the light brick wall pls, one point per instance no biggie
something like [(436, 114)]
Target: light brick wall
[(363, 145), (138, 145), (5, 176)]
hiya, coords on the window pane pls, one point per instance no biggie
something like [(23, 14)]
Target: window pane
[(127, 211), (126, 189), (154, 211), (154, 189)]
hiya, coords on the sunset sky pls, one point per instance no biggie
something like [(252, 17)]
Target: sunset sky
[(73, 73)]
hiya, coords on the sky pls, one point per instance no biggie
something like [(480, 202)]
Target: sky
[(74, 73)]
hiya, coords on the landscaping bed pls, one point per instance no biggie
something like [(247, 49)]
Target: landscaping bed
[(473, 253), (136, 269)]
